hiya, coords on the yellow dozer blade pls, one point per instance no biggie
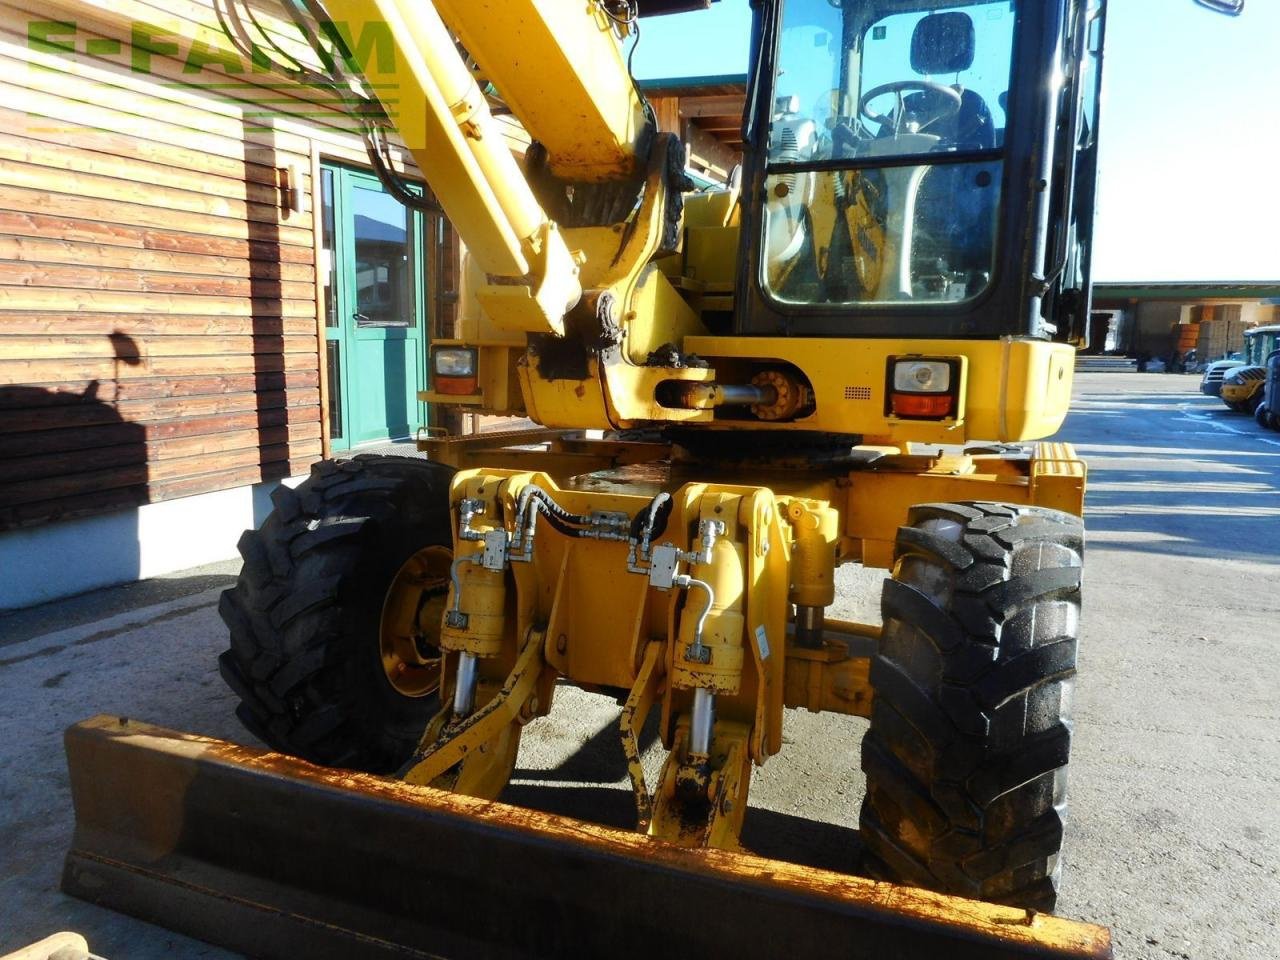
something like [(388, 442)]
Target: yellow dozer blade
[(274, 857)]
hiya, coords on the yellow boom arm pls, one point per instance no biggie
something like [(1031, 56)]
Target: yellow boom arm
[(445, 122)]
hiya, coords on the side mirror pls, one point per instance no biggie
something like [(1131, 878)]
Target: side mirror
[(1231, 7)]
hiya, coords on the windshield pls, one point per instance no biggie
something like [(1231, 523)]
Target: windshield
[(1258, 346), (862, 89)]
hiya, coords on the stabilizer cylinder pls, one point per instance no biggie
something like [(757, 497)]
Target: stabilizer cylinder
[(711, 657)]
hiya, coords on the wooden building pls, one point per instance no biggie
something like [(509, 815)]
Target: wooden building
[(203, 289)]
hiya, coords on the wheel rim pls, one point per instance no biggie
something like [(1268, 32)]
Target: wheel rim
[(409, 632)]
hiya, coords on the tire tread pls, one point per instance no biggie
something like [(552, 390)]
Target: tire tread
[(961, 670), (298, 616)]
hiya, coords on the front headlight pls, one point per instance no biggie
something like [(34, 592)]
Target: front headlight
[(923, 389), (922, 376), (454, 361)]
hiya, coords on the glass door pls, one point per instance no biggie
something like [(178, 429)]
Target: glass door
[(375, 336)]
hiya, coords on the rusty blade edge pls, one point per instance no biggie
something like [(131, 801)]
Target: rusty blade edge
[(214, 801)]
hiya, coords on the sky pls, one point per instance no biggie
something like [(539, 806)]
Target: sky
[(1189, 187)]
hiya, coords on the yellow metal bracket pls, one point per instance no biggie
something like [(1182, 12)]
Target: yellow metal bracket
[(457, 740), (705, 807), (634, 713)]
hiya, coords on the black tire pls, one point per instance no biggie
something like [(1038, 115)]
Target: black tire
[(966, 757), (1262, 416), (305, 613)]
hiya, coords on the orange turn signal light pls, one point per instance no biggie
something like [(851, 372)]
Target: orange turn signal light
[(931, 406), (455, 386)]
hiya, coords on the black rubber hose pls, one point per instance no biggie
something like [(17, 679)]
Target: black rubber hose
[(561, 527), (555, 509), (661, 514), (654, 517)]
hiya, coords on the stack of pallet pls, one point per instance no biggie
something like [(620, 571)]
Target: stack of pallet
[(1221, 331), (1186, 336)]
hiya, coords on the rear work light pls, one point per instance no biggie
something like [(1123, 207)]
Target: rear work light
[(454, 369), (923, 389)]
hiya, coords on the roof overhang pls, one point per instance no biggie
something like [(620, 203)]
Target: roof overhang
[(656, 8), (708, 105), (1190, 290)]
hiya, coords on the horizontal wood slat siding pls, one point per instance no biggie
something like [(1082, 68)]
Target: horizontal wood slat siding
[(158, 315)]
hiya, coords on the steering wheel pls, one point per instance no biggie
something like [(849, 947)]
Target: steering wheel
[(949, 107)]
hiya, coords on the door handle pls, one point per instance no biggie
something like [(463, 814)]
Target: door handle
[(361, 317)]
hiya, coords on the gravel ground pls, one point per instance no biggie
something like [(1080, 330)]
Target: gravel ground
[(1174, 774)]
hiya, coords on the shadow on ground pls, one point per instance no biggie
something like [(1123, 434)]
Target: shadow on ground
[(586, 785)]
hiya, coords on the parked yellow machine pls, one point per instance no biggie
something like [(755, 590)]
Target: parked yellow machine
[(728, 389), (1243, 387)]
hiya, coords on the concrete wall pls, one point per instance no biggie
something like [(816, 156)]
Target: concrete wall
[(1260, 312), (1153, 323), (60, 559)]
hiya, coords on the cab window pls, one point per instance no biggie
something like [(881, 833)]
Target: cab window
[(860, 82)]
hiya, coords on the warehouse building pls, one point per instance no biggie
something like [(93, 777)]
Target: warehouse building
[(1154, 319)]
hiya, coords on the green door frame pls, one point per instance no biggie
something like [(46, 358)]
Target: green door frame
[(384, 353)]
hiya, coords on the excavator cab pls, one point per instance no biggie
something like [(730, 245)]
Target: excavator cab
[(911, 171)]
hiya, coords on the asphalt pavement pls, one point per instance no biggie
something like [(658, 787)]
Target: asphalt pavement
[(1176, 763)]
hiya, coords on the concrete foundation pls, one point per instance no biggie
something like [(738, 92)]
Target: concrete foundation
[(61, 559)]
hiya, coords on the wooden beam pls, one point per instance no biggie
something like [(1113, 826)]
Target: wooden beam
[(53, 371), (17, 426), (75, 157), (24, 274), (122, 444), (139, 325), (96, 501), (317, 236), (667, 110), (114, 301), (709, 153), (732, 104), (173, 202), (137, 349), (731, 125), (105, 257)]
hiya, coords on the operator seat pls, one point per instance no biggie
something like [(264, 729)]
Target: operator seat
[(943, 43), (957, 202)]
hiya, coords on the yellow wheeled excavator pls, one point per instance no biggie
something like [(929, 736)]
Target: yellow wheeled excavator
[(841, 358)]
